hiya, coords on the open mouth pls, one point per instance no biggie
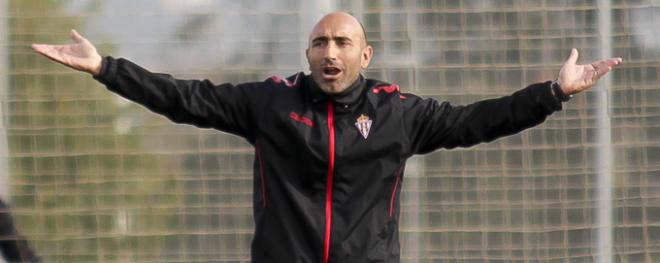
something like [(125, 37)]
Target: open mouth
[(331, 73)]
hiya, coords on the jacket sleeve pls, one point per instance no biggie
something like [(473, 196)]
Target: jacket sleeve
[(434, 125), (224, 107), (13, 246)]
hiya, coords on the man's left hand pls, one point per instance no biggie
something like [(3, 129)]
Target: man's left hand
[(575, 78)]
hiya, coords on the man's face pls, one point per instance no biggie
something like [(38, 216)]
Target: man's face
[(337, 52)]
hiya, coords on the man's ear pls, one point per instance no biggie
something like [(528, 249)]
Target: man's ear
[(367, 54), (307, 56)]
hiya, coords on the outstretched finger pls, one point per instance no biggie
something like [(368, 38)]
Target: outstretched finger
[(76, 37), (602, 67), (573, 57), (42, 48), (600, 72), (39, 48), (49, 51), (607, 62)]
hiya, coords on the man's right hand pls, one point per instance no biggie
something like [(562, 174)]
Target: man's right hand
[(80, 56)]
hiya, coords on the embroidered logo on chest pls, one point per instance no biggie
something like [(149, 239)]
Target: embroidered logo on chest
[(363, 125)]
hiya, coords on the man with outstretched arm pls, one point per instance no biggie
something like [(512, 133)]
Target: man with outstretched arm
[(331, 146)]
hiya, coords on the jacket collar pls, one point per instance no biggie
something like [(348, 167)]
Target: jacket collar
[(347, 97)]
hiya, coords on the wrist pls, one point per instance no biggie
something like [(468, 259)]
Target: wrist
[(98, 65), (558, 92)]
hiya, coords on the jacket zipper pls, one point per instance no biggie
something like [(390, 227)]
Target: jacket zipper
[(331, 171)]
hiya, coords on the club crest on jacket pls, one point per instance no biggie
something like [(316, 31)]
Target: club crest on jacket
[(363, 125)]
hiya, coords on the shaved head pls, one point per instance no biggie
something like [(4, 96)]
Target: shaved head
[(337, 51), (341, 16)]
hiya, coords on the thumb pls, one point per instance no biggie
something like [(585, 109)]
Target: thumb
[(572, 59), (75, 36)]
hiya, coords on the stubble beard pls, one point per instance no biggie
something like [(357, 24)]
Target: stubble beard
[(334, 87)]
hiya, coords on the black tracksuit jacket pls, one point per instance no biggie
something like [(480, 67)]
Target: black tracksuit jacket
[(328, 168)]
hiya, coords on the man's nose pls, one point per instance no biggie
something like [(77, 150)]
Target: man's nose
[(331, 51)]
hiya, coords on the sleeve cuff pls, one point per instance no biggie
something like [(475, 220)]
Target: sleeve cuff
[(558, 92), (549, 96), (108, 70)]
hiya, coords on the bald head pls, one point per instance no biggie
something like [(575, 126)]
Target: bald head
[(340, 19), (337, 52)]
